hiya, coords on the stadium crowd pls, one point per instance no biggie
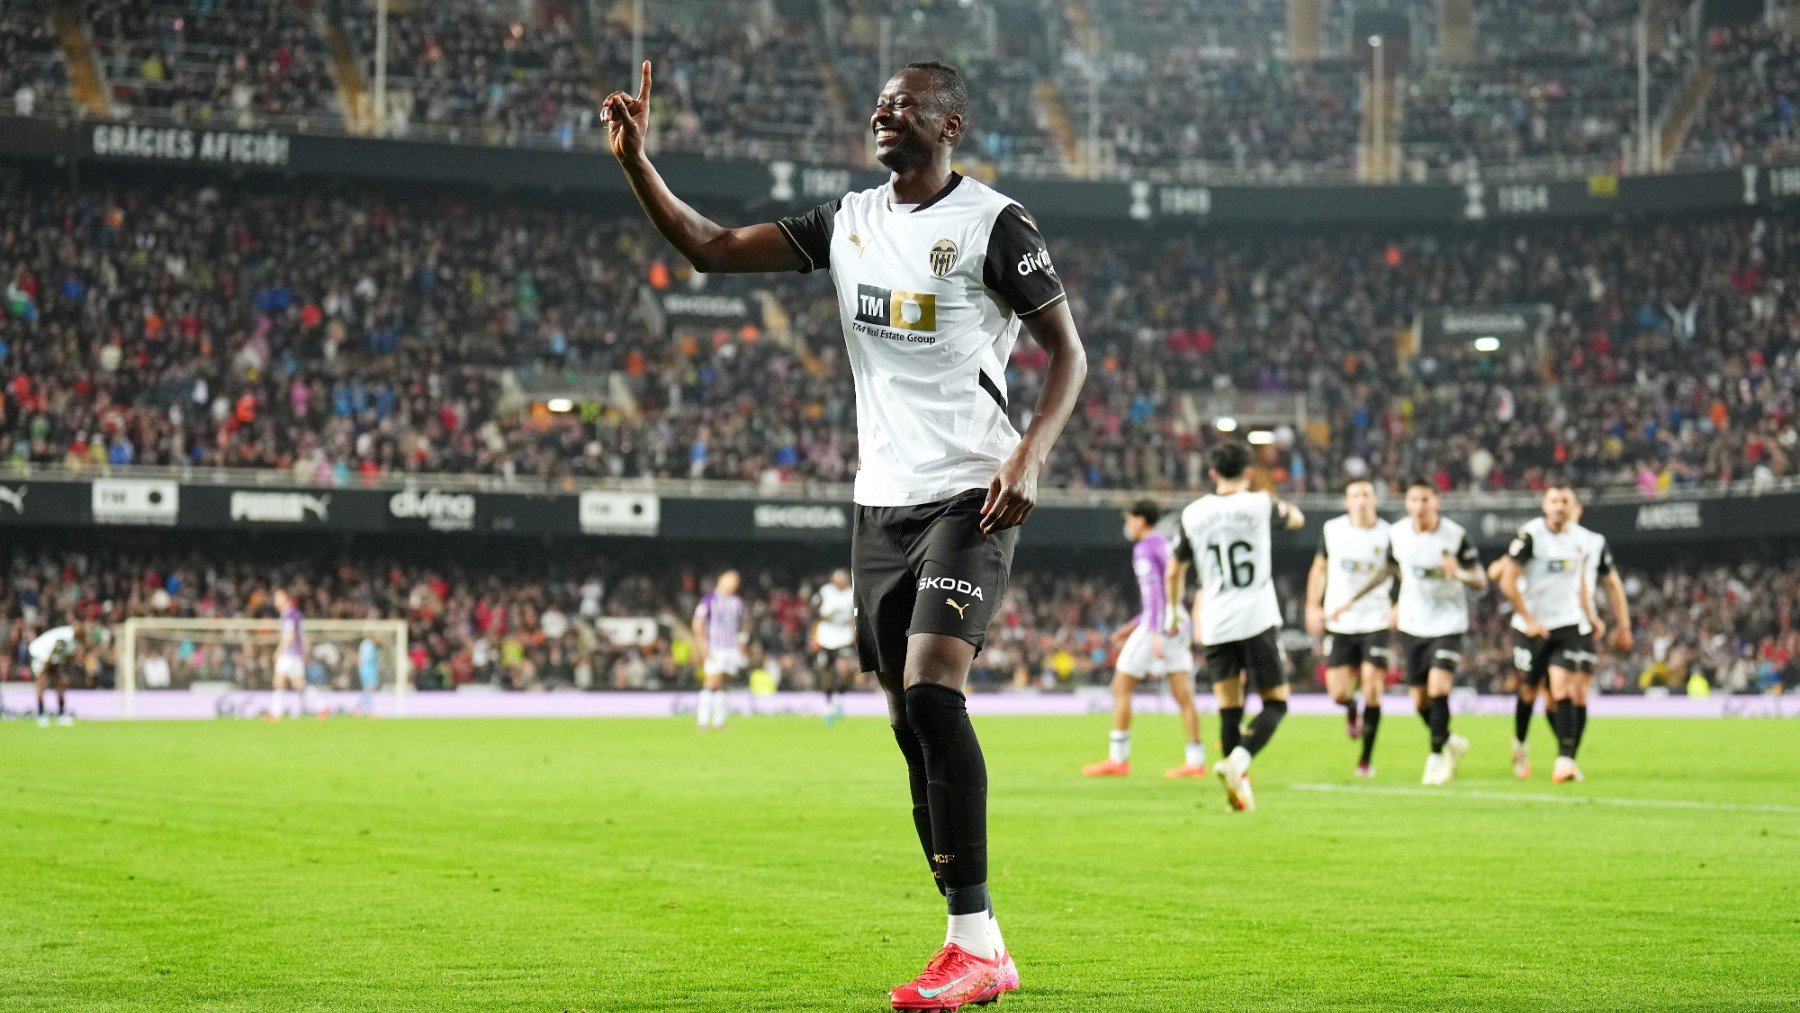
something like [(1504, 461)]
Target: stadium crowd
[(33, 78), (212, 61), (536, 626), (1754, 103), (353, 334), (1548, 81)]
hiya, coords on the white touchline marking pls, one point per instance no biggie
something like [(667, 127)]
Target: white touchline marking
[(1507, 796)]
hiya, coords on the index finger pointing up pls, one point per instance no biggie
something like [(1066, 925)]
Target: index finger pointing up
[(644, 88)]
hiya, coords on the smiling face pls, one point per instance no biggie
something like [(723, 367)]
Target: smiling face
[(911, 123)]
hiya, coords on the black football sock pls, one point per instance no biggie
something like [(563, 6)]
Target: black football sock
[(1424, 707), (956, 790), (40, 706), (1565, 728), (921, 807), (1371, 724), (1440, 722), (1580, 725), (1349, 708), (1231, 728), (1521, 719), (1262, 727), (1550, 719)]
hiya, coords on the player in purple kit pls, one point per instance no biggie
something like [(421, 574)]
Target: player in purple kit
[(719, 648), (290, 656), (1148, 652)]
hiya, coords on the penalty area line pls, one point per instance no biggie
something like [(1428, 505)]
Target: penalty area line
[(1508, 796)]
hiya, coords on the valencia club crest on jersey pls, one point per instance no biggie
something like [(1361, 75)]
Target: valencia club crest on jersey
[(943, 257)]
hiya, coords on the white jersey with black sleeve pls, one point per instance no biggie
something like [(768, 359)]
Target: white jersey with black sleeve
[(1228, 539), (1553, 570), (1432, 603), (1352, 555), (930, 297), (836, 608)]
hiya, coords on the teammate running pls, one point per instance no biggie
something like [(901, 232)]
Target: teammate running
[(719, 648), (834, 641), (290, 657), (1147, 653), (1229, 530), (1356, 646), (1545, 580), (1436, 566), (53, 653), (936, 274)]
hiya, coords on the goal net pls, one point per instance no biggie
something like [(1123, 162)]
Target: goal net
[(235, 659)]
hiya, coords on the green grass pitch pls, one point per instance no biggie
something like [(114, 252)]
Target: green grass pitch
[(632, 865)]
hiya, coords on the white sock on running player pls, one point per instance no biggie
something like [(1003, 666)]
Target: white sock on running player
[(978, 933), (721, 706), (1119, 747), (277, 700), (703, 709), (1196, 755)]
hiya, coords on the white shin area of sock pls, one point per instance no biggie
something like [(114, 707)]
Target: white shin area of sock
[(976, 933), (1196, 755), (277, 701), (1118, 747)]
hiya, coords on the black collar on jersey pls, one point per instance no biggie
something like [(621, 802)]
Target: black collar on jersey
[(955, 178)]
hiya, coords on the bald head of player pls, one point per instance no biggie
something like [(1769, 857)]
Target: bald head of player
[(1559, 506), (918, 118), (1141, 518), (1360, 500), (840, 577), (728, 582)]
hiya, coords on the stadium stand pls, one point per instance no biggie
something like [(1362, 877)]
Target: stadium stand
[(33, 79), (531, 625), (362, 333), (231, 63)]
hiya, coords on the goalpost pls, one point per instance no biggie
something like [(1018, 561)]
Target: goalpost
[(239, 654)]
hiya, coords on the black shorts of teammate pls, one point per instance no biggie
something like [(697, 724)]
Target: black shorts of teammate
[(1566, 647), (1422, 654), (828, 657), (1258, 658), (925, 569), (1355, 650)]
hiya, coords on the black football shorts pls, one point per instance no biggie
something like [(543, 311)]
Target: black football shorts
[(925, 569)]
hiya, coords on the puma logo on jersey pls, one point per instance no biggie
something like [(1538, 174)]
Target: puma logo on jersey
[(951, 584), (959, 608), (14, 498), (859, 242)]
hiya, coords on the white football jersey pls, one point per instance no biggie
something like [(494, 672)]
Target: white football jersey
[(1228, 537), (930, 298), (1554, 565), (1596, 562), (1352, 555), (53, 645), (837, 616), (1432, 603)]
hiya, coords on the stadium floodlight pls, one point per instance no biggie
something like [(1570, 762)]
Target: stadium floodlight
[(1487, 344), (1261, 438), (161, 654), (1226, 424), (560, 404)]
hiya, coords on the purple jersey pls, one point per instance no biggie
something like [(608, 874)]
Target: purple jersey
[(722, 614), (1150, 561), (290, 627)]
